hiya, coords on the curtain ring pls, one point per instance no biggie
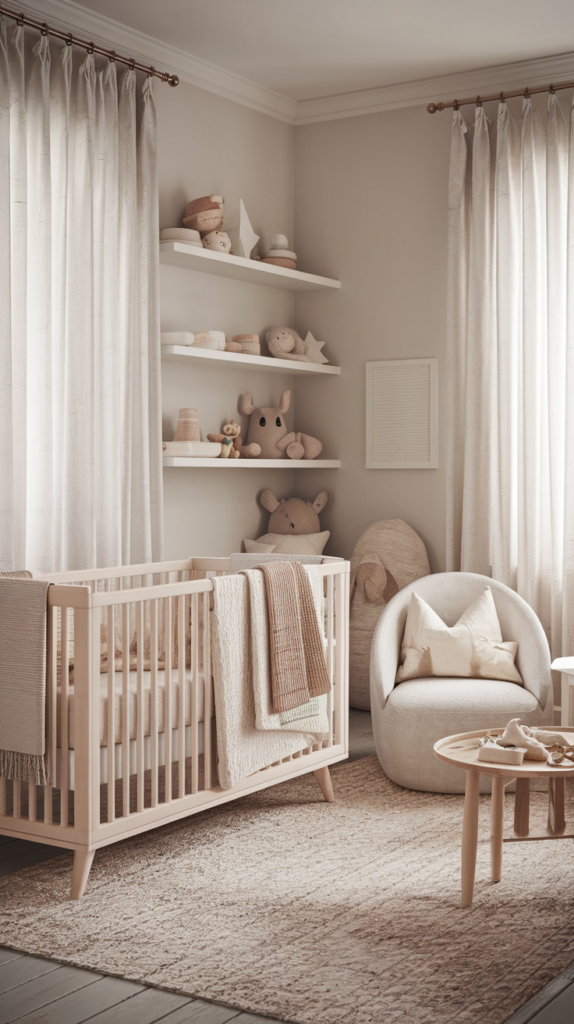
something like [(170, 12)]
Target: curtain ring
[(526, 94), (501, 98), (20, 20), (551, 89), (69, 39), (151, 71), (132, 64), (455, 105), (478, 101), (112, 56), (90, 48), (44, 30)]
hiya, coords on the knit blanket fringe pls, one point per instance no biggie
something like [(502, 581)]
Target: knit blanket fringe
[(25, 767)]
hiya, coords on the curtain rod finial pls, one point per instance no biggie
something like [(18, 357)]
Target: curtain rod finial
[(432, 108), (173, 81)]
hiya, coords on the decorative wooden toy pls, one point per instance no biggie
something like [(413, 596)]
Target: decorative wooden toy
[(313, 349), (267, 428), (285, 343), (232, 446), (187, 428), (249, 343), (204, 214), (238, 227), (186, 235), (217, 241), (210, 339), (280, 255)]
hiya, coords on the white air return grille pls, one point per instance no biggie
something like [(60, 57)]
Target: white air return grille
[(402, 414)]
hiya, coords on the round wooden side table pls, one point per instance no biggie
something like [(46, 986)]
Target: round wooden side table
[(462, 752)]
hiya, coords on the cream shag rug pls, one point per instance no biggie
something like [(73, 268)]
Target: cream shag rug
[(286, 906)]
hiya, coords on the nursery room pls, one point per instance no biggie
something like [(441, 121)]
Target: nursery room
[(286, 505)]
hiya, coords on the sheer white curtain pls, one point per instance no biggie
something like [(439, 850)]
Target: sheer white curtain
[(80, 420), (511, 356)]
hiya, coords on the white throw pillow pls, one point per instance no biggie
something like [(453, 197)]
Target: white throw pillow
[(253, 547), (472, 649), (303, 544)]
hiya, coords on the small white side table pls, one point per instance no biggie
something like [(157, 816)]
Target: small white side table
[(566, 667)]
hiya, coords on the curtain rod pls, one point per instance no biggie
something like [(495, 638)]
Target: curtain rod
[(72, 40), (479, 100)]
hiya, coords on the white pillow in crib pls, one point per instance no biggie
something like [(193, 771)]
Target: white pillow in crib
[(253, 547), (304, 544)]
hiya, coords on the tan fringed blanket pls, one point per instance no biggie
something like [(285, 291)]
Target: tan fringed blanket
[(298, 669), (23, 643)]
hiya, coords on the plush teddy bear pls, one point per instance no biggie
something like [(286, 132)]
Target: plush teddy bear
[(285, 343), (232, 446), (294, 526)]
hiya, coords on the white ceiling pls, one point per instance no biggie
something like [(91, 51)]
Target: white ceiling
[(305, 49)]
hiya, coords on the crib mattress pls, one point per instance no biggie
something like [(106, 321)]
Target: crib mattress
[(198, 688)]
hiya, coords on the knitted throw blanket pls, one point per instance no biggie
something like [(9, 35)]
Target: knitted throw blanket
[(298, 669), (23, 643)]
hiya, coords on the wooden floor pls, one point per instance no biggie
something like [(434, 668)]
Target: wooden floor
[(36, 991)]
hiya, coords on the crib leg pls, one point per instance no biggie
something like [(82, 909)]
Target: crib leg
[(82, 864), (324, 779)]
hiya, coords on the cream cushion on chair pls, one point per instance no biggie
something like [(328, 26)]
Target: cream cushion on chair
[(409, 717)]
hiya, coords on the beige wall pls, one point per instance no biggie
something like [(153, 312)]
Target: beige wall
[(207, 145), (370, 209)]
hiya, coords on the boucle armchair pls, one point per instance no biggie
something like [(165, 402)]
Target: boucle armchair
[(410, 717)]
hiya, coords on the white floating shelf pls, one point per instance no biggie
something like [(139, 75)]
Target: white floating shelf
[(171, 461), (209, 357), (191, 257)]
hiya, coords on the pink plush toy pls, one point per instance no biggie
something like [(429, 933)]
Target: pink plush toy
[(267, 428)]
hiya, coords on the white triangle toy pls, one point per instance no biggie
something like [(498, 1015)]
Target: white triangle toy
[(238, 227)]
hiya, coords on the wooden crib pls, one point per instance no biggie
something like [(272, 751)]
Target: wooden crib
[(117, 766)]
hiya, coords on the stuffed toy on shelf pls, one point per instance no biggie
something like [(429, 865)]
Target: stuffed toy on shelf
[(268, 429), (232, 446), (294, 527)]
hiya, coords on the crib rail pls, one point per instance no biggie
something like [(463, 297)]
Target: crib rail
[(130, 705)]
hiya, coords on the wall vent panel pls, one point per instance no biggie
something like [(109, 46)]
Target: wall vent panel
[(402, 414)]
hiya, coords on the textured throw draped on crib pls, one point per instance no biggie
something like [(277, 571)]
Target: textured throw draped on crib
[(80, 423), (511, 355)]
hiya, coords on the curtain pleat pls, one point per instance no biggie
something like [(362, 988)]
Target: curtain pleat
[(80, 418), (511, 354)]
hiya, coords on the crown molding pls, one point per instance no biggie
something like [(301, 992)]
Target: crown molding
[(542, 70), (70, 16)]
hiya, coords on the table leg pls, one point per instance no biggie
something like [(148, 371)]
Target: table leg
[(556, 815), (496, 827), (469, 837), (522, 807)]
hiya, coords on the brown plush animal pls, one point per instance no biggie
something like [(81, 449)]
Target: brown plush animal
[(293, 515), (204, 214), (232, 446), (285, 343), (267, 428)]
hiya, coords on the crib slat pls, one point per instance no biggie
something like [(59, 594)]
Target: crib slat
[(64, 718), (31, 801), (194, 693), (111, 713), (330, 653), (16, 799), (51, 710), (167, 733), (3, 796), (182, 689), (126, 730), (206, 692), (140, 705), (153, 738)]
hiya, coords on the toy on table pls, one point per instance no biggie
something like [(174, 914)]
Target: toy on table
[(204, 214), (268, 429), (232, 446), (280, 255), (294, 526)]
